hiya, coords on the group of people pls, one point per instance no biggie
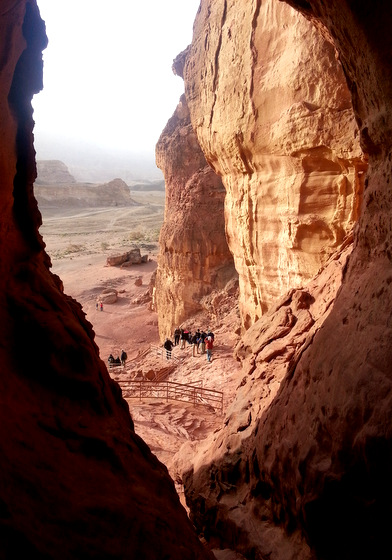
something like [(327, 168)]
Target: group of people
[(119, 361), (201, 341)]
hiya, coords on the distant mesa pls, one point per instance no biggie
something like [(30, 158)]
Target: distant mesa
[(55, 187), (148, 186), (53, 172)]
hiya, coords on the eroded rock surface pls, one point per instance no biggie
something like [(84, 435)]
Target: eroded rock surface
[(83, 195), (53, 171), (194, 256), (230, 488), (76, 481), (301, 466), (273, 116)]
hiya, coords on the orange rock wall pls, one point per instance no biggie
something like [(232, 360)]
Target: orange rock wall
[(273, 116), (76, 481), (301, 467), (194, 256)]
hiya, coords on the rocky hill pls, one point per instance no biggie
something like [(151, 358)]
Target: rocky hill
[(53, 172), (298, 463), (55, 187)]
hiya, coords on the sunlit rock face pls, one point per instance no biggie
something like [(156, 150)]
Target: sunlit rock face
[(301, 467), (194, 256), (76, 481), (273, 115)]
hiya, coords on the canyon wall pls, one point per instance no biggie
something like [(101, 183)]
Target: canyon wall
[(194, 257), (76, 481), (272, 112), (301, 466)]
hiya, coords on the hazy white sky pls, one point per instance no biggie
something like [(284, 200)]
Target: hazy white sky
[(107, 71)]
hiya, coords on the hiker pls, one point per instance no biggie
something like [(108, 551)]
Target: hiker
[(203, 337), (168, 345), (194, 340), (101, 306), (182, 339), (198, 336), (211, 334), (186, 336), (111, 360), (117, 361), (177, 334), (209, 345), (123, 357), (96, 306)]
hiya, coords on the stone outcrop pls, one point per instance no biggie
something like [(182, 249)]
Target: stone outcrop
[(273, 116), (301, 467), (76, 481), (231, 483), (128, 258), (53, 172), (194, 257), (84, 195)]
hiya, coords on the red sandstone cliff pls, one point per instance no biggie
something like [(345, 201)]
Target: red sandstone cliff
[(76, 481), (301, 466), (194, 257), (273, 116)]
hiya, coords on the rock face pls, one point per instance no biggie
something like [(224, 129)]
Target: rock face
[(194, 256), (273, 116), (83, 195), (77, 482), (128, 258), (301, 466), (51, 172)]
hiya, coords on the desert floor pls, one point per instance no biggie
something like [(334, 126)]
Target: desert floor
[(79, 243)]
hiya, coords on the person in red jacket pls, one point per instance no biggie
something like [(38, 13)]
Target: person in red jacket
[(209, 345)]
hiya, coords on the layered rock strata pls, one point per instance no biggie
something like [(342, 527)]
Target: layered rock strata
[(76, 481), (301, 468), (273, 116), (194, 256)]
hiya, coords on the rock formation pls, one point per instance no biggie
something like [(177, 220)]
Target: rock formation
[(76, 481), (301, 467), (194, 256), (128, 258), (53, 172), (83, 195), (273, 116)]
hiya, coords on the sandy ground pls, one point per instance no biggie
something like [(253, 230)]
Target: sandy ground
[(79, 244)]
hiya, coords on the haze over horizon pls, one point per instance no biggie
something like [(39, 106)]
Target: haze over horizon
[(109, 89)]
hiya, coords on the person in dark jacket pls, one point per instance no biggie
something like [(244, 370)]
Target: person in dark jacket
[(123, 357), (168, 345)]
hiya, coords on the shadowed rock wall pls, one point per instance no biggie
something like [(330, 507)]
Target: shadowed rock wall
[(301, 467), (76, 481)]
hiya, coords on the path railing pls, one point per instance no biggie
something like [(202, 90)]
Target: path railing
[(162, 352), (169, 390)]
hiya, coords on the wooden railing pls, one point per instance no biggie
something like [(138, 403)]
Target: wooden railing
[(169, 390)]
